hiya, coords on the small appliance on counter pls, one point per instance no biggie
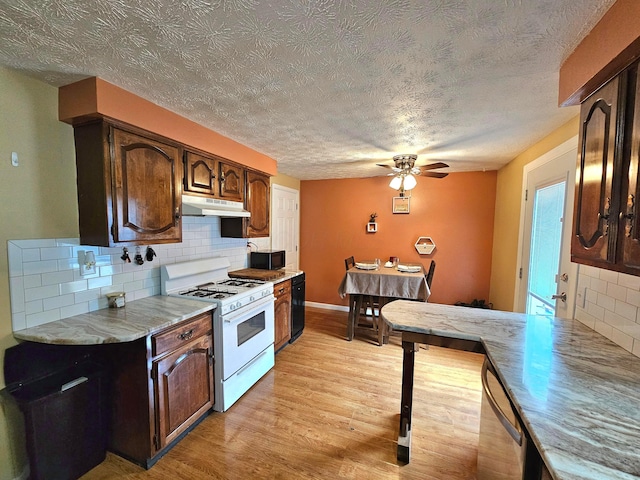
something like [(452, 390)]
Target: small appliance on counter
[(268, 259)]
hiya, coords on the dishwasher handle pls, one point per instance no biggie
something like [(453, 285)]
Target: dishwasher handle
[(513, 430)]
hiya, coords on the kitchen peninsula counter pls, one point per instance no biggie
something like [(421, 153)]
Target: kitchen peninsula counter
[(135, 320), (577, 393)]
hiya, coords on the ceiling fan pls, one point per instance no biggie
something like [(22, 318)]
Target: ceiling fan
[(405, 170)]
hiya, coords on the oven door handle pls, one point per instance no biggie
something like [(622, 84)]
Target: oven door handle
[(245, 312)]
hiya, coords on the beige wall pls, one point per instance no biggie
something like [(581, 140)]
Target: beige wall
[(37, 200), (507, 216), (286, 181)]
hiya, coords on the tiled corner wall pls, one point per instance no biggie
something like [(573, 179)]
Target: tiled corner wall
[(609, 303), (45, 282)]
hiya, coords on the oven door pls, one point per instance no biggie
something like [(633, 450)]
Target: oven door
[(245, 334)]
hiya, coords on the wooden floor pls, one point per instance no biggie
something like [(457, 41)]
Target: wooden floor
[(330, 410)]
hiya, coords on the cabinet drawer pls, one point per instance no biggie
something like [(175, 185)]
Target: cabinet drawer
[(282, 289), (180, 334)]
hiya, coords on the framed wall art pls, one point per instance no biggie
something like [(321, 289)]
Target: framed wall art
[(401, 204)]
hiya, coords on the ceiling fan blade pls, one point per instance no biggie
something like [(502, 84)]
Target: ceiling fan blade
[(385, 166), (433, 166), (434, 174)]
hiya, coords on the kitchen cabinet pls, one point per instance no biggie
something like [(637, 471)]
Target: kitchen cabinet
[(231, 182), (256, 201), (200, 174), (605, 225), (282, 314), (211, 175), (162, 385), (129, 186)]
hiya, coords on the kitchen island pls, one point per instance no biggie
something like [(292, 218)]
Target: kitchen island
[(576, 392)]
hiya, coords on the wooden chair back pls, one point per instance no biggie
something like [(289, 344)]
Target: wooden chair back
[(429, 275), (349, 262)]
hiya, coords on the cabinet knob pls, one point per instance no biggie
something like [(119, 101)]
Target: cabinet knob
[(186, 335), (629, 216)]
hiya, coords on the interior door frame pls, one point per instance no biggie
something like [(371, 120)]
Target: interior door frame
[(275, 187), (564, 148)]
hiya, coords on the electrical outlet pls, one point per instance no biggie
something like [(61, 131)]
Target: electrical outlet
[(86, 262)]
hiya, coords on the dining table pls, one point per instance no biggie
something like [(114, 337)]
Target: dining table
[(386, 282)]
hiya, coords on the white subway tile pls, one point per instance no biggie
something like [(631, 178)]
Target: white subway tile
[(14, 256), (41, 318), (616, 291), (33, 268), (625, 341), (32, 281), (615, 320), (130, 287), (38, 293), (31, 255), (58, 302), (87, 296), (629, 281), (592, 296), (636, 347), (18, 321), (73, 287), (99, 282), (633, 297), (604, 329), (609, 276), (595, 311), (75, 309), (606, 302), (583, 317), (55, 253), (626, 310), (33, 307), (56, 278), (36, 243), (598, 285)]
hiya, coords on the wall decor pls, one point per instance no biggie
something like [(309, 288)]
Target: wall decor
[(401, 204), (425, 245)]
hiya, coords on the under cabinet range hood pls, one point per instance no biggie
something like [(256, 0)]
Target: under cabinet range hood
[(203, 206)]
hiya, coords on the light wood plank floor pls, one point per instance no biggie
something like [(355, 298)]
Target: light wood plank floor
[(330, 410)]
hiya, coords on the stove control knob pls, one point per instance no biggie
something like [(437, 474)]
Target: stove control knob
[(232, 307), (238, 305), (252, 298)]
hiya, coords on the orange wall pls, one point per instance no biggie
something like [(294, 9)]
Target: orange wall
[(456, 212), (94, 97), (612, 45)]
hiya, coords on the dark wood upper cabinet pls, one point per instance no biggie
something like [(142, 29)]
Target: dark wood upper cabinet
[(605, 224), (129, 186), (231, 182), (200, 174), (256, 201)]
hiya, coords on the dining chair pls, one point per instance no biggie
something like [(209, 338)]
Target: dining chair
[(359, 306), (429, 276)]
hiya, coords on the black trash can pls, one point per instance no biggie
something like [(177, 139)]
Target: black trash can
[(64, 406)]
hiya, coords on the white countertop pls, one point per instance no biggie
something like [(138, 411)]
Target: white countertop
[(577, 392), (136, 319)]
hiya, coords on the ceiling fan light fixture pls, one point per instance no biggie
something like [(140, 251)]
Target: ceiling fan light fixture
[(396, 182), (409, 182)]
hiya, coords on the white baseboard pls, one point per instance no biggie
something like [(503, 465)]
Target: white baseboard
[(327, 306)]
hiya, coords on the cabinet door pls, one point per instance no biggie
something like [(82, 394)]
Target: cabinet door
[(282, 313), (258, 204), (630, 227), (231, 182), (183, 388), (147, 177), (595, 225), (200, 174)]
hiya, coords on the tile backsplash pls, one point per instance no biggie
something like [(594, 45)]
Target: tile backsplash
[(609, 303), (45, 282)]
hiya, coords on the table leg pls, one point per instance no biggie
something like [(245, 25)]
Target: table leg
[(404, 437), (355, 304)]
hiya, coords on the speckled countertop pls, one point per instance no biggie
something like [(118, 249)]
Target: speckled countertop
[(577, 393), (136, 319)]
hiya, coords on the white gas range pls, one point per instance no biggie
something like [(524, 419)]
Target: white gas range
[(243, 322)]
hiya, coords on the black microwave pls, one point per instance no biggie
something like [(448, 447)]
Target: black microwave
[(268, 259)]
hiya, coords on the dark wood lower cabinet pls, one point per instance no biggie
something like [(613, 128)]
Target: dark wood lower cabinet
[(282, 314), (162, 385)]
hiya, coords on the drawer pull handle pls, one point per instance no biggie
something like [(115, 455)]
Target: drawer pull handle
[(281, 290), (186, 335)]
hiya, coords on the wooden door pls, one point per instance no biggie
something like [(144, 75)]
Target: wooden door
[(595, 225), (200, 174), (183, 388), (258, 204), (231, 182), (147, 177), (282, 314)]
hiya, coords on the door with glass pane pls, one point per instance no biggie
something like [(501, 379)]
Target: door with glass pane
[(548, 279)]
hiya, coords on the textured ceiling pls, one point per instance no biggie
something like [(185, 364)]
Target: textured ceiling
[(328, 88)]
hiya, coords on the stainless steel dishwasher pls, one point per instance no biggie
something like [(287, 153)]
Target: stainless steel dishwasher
[(502, 445)]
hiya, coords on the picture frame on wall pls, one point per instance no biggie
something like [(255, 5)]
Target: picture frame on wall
[(372, 227), (400, 204)]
